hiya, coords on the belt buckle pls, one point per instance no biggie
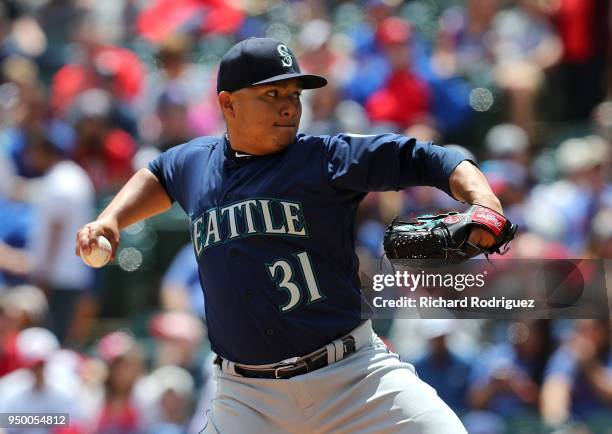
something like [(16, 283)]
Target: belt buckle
[(289, 366), (276, 375)]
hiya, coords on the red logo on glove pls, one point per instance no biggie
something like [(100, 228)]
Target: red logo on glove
[(452, 219), (490, 219)]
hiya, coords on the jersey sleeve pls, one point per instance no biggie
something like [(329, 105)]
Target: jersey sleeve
[(388, 162), (166, 167)]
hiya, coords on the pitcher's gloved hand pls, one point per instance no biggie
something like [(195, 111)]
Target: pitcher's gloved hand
[(442, 240)]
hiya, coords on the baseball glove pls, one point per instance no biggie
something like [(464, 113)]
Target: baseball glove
[(441, 240)]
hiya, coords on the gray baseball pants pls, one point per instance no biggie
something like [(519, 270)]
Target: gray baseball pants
[(370, 391)]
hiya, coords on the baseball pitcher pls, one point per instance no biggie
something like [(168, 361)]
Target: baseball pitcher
[(272, 225)]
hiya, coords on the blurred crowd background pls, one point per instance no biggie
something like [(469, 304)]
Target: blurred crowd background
[(92, 91)]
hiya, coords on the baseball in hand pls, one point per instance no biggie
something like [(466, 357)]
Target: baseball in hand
[(99, 256)]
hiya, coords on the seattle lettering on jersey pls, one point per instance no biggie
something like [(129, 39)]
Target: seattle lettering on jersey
[(246, 218)]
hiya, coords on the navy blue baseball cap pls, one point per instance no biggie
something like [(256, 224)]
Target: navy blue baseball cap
[(258, 61)]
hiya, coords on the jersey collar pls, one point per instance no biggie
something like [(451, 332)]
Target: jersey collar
[(235, 155)]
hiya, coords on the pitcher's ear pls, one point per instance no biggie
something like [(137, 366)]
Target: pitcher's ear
[(226, 103)]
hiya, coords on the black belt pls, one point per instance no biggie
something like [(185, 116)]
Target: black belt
[(310, 363)]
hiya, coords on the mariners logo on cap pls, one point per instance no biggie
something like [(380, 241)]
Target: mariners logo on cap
[(285, 55)]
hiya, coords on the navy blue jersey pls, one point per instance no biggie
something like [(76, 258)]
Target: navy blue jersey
[(274, 235)]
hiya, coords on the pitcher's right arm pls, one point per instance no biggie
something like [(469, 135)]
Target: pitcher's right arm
[(141, 197)]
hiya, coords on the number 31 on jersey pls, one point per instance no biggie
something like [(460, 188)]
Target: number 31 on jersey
[(283, 275)]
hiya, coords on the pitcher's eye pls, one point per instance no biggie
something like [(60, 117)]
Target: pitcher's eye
[(272, 93)]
